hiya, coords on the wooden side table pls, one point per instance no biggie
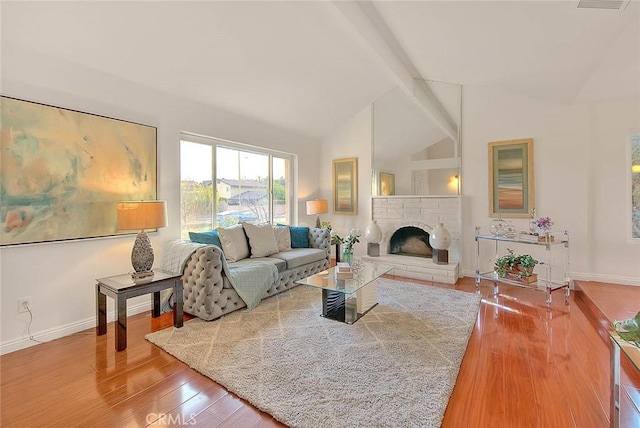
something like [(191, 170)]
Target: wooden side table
[(123, 287)]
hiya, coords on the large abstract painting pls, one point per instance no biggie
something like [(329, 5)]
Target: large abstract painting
[(511, 178), (63, 171)]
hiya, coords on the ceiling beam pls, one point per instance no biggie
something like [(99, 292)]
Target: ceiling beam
[(376, 35)]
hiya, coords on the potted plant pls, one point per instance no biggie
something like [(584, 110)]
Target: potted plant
[(519, 266)]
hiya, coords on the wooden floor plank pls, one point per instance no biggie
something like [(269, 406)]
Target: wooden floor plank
[(526, 365)]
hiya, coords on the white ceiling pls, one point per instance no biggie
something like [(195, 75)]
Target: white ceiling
[(302, 65)]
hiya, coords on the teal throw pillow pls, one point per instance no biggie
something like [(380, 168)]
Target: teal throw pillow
[(210, 237), (299, 236)]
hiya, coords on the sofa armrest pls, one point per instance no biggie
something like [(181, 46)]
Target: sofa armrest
[(320, 238), (202, 280)]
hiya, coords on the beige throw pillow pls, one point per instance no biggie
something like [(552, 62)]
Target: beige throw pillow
[(234, 243), (261, 239), (283, 237)]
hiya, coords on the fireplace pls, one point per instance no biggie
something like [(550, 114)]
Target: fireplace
[(406, 222), (410, 241)]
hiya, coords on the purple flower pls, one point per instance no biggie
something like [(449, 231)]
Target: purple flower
[(544, 223)]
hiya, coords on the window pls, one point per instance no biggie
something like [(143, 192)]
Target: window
[(251, 184), (635, 185)]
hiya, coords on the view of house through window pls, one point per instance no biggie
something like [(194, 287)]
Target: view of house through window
[(251, 185), (635, 185)]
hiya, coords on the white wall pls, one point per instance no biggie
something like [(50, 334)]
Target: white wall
[(613, 257), (351, 139), (580, 165), (60, 277), (580, 169)]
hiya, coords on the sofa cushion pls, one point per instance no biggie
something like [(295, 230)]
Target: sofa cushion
[(234, 243), (280, 264), (300, 256), (261, 239), (283, 237), (299, 236), (210, 237)]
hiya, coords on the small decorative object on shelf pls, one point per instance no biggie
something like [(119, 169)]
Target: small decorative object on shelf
[(532, 223), (511, 231), (498, 226), (543, 225), (534, 237), (440, 241)]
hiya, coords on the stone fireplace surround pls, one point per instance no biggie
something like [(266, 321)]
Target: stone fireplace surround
[(425, 212)]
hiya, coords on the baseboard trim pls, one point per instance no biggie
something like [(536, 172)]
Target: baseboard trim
[(622, 280), (66, 330)]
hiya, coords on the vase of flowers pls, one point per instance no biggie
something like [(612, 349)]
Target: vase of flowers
[(347, 244), (543, 225)]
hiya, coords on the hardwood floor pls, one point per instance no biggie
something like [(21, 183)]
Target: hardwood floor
[(525, 366)]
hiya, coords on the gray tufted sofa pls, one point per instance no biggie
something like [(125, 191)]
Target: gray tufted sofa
[(208, 294)]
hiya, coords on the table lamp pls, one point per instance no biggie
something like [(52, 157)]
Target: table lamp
[(317, 207), (141, 215)]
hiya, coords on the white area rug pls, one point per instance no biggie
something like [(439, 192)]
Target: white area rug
[(396, 366)]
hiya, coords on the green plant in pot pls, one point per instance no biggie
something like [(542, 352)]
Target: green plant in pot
[(519, 265)]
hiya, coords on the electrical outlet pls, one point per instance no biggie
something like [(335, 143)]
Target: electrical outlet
[(23, 304)]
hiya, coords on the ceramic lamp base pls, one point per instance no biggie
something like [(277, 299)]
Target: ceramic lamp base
[(142, 253)]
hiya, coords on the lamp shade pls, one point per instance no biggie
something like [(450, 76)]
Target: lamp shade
[(140, 215), (317, 206)]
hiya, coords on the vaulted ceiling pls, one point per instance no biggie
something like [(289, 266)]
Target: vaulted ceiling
[(308, 66)]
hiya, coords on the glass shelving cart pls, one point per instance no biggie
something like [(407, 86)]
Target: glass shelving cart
[(556, 269)]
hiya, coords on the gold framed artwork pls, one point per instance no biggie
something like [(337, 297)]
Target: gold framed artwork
[(345, 186), (387, 184), (511, 185), (62, 172)]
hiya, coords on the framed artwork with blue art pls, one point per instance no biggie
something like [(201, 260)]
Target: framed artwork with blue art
[(511, 184), (62, 171)]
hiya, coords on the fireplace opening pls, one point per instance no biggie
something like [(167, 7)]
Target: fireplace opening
[(410, 241)]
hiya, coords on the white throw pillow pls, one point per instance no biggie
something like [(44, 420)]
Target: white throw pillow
[(283, 237), (261, 239), (234, 243)]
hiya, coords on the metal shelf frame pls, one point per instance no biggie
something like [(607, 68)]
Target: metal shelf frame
[(545, 282)]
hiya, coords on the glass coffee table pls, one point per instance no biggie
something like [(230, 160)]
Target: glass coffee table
[(348, 296)]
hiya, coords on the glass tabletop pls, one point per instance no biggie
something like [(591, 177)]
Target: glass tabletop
[(347, 282), (125, 281)]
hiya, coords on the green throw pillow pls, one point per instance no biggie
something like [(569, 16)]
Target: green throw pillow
[(210, 237)]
